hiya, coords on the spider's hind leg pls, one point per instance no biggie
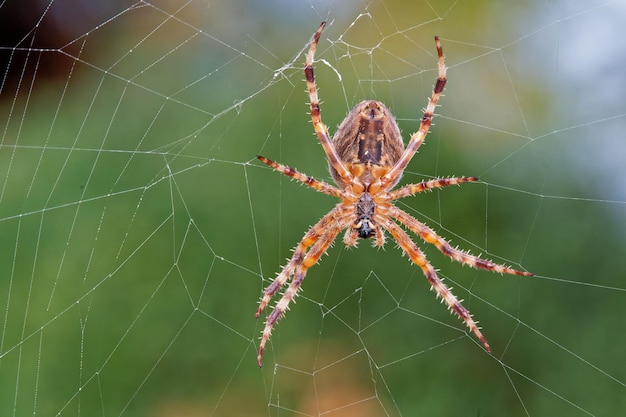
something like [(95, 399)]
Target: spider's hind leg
[(418, 137), (320, 128)]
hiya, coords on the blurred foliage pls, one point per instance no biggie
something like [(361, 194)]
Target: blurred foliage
[(138, 229)]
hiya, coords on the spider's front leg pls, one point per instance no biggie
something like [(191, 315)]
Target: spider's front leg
[(418, 258), (429, 236), (314, 244)]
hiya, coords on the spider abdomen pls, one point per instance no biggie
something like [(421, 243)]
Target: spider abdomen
[(368, 141)]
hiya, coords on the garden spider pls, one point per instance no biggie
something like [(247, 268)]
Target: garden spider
[(366, 159)]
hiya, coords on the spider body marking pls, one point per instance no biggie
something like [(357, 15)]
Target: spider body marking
[(368, 141), (366, 159)]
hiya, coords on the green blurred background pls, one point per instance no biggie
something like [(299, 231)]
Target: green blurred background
[(138, 229)]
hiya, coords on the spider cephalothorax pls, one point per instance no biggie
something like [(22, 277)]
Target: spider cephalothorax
[(365, 210), (366, 159)]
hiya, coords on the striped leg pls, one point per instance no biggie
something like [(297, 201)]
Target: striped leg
[(418, 137), (429, 236), (418, 258), (411, 189), (320, 128), (298, 266), (317, 185)]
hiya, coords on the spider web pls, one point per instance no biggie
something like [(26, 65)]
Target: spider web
[(138, 230)]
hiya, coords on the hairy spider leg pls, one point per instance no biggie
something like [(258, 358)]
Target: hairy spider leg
[(310, 237), (411, 189), (418, 137), (317, 185), (429, 236), (418, 258), (314, 244), (320, 128)]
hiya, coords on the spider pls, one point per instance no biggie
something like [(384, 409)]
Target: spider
[(366, 159)]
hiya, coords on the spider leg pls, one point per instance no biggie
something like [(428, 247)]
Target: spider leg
[(411, 189), (418, 258), (317, 185), (320, 128), (314, 244), (310, 237), (418, 137), (429, 236)]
